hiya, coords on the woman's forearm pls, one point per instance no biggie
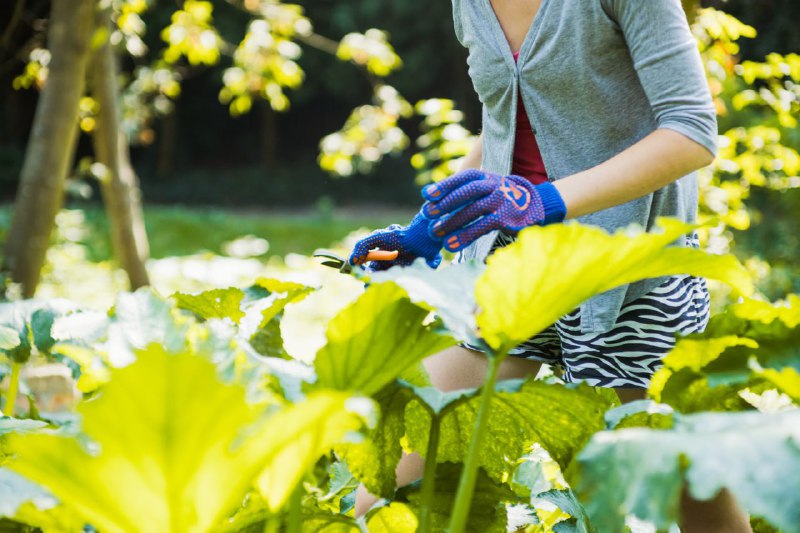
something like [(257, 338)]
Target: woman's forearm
[(473, 158), (650, 164)]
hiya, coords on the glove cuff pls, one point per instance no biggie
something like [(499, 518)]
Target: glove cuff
[(554, 208)]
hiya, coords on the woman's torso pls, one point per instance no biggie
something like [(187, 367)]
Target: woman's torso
[(584, 97)]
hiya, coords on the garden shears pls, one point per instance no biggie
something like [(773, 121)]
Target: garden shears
[(343, 265)]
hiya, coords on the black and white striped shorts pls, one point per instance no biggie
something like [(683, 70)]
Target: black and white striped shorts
[(628, 354)]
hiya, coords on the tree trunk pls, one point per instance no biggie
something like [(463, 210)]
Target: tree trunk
[(119, 187), (52, 142)]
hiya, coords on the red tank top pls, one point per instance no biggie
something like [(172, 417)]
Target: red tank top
[(527, 160)]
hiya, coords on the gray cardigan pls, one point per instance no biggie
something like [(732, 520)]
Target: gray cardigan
[(596, 76)]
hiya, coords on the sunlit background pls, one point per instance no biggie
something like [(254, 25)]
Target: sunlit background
[(259, 129)]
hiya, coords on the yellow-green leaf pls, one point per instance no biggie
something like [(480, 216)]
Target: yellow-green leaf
[(550, 270), (394, 518), (174, 449), (216, 303), (302, 433), (374, 339)]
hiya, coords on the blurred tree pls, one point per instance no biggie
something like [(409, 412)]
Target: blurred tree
[(118, 181), (52, 142)]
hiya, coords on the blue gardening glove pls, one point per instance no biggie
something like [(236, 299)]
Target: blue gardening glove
[(472, 203), (411, 242)]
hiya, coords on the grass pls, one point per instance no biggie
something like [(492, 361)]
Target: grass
[(178, 231)]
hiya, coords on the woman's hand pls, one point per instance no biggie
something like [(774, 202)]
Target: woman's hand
[(410, 241), (473, 203)]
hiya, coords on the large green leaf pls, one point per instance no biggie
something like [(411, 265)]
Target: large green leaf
[(216, 303), (561, 419), (295, 438), (163, 458), (449, 291), (375, 339), (642, 471), (487, 513), (374, 460), (550, 270)]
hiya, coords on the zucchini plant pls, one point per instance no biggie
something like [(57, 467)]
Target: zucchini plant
[(196, 418)]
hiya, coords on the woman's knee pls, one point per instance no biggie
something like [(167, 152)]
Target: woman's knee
[(461, 368)]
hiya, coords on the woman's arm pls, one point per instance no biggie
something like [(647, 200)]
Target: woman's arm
[(655, 161), (473, 158), (669, 67)]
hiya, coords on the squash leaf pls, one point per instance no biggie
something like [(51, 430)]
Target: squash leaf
[(216, 303), (176, 459), (375, 339), (560, 418), (550, 270), (487, 513), (642, 471)]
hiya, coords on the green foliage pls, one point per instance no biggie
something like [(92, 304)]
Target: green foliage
[(264, 63), (27, 327), (443, 141), (162, 484), (756, 103), (393, 518), (560, 419), (751, 343), (488, 510), (640, 413), (371, 50), (366, 349), (182, 475), (192, 35), (267, 339), (565, 500), (375, 459), (217, 303), (642, 471), (293, 439), (447, 291), (370, 133)]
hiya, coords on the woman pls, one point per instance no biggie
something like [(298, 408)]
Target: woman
[(595, 110)]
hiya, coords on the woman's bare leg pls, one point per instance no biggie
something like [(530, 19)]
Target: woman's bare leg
[(451, 369), (721, 514)]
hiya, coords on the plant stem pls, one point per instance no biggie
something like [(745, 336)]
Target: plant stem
[(13, 387), (295, 519), (469, 475), (273, 524), (429, 476)]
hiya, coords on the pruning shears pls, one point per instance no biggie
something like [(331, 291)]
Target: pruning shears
[(343, 265)]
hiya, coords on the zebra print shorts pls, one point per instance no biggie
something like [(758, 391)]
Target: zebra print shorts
[(627, 355)]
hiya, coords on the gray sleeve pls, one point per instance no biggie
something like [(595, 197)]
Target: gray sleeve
[(457, 24), (667, 61)]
